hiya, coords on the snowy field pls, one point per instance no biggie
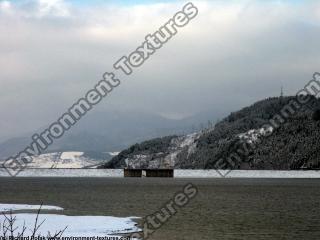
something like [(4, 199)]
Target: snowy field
[(100, 226), (178, 173)]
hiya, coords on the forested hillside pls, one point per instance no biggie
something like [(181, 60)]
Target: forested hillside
[(240, 141)]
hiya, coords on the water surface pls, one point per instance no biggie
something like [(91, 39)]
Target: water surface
[(223, 209)]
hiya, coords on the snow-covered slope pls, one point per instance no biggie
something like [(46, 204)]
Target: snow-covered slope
[(62, 160), (185, 144), (253, 135)]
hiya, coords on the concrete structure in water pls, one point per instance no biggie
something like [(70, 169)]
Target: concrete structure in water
[(168, 173)]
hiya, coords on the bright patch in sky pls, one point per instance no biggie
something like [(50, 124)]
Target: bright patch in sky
[(122, 2)]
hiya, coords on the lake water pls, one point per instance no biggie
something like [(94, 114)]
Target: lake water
[(223, 209)]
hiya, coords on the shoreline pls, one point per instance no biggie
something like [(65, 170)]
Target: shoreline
[(178, 173)]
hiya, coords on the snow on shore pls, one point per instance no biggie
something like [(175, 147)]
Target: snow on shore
[(77, 226), (17, 207), (179, 173), (114, 173)]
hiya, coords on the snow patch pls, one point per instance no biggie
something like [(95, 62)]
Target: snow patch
[(113, 154), (182, 143), (17, 207), (62, 160), (252, 135), (77, 226), (71, 155)]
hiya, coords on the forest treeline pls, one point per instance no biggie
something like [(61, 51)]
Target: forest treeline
[(295, 144)]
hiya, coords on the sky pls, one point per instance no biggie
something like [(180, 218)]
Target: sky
[(231, 55)]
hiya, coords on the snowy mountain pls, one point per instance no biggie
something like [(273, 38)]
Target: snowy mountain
[(65, 160)]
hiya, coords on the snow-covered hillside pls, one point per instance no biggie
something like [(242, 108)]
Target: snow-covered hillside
[(264, 136), (63, 160), (164, 159)]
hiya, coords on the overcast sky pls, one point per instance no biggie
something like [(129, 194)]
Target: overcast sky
[(232, 54)]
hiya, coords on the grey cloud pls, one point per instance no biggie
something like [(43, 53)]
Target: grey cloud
[(231, 55)]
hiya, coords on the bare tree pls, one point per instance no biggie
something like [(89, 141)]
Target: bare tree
[(11, 231)]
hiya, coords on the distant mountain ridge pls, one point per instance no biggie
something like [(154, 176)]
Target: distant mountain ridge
[(111, 131), (295, 144)]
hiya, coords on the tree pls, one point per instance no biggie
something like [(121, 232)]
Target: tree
[(316, 115), (10, 230)]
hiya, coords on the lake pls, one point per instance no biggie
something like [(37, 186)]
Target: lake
[(222, 209)]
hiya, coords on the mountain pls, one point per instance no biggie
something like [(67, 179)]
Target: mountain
[(70, 160), (240, 141), (63, 160), (111, 131)]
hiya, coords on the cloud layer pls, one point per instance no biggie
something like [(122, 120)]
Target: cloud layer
[(233, 53)]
